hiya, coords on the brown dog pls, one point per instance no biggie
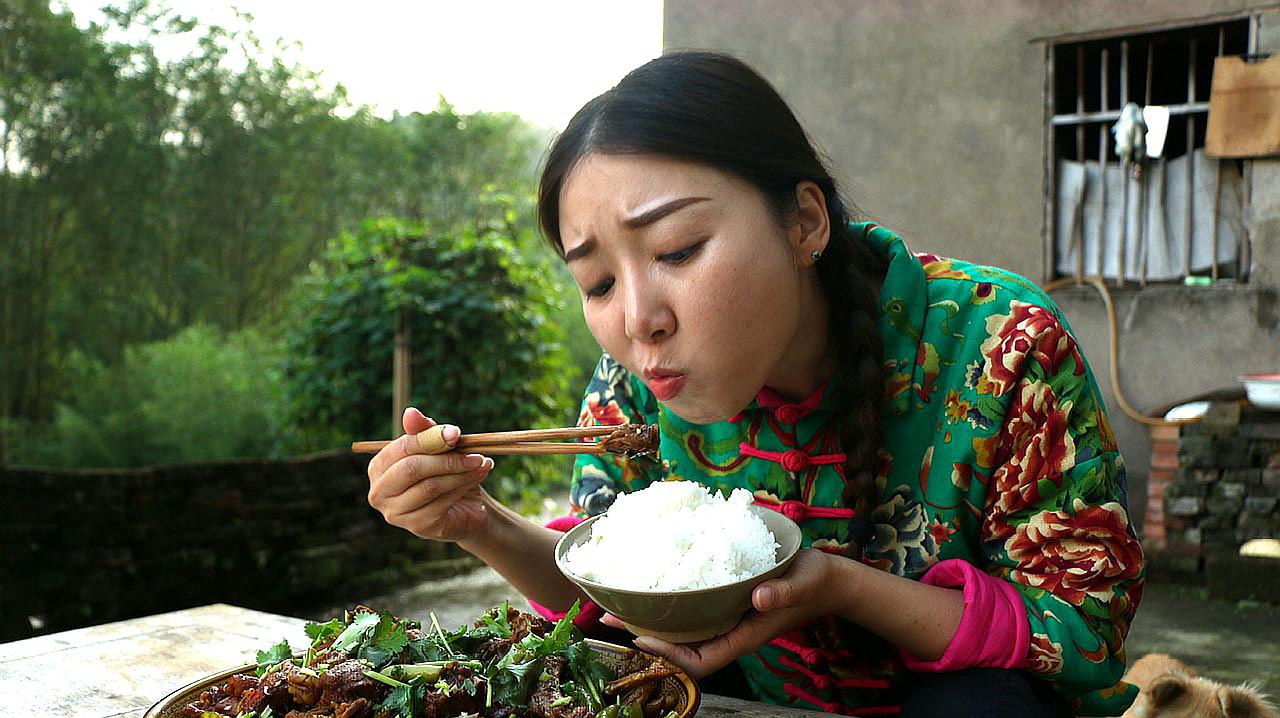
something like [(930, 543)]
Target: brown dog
[(1171, 688)]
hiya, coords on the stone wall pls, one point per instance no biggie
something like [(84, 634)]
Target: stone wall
[(84, 547), (1226, 487)]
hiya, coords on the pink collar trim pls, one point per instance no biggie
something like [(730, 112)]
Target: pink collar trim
[(788, 412)]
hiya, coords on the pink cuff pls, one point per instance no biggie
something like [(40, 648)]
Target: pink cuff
[(589, 614), (993, 630)]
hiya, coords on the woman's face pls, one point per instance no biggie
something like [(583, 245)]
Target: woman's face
[(691, 282)]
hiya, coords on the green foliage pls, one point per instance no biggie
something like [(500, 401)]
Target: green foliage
[(486, 353), (141, 196), (201, 395)]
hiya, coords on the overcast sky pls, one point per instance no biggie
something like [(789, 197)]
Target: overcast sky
[(541, 59)]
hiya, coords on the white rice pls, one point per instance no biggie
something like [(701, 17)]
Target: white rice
[(675, 536)]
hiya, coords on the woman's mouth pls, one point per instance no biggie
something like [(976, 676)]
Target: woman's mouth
[(664, 385)]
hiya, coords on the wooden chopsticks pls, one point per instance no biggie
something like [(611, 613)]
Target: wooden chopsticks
[(507, 443)]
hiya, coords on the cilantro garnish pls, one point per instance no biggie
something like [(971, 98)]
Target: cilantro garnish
[(411, 670), (494, 622), (351, 636), (385, 642), (273, 655), (318, 632), (404, 700)]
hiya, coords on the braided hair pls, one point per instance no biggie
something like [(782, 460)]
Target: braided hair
[(715, 110)]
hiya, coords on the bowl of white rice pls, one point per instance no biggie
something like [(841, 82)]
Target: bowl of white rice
[(677, 561)]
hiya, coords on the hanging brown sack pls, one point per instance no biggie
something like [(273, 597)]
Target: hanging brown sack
[(1244, 108)]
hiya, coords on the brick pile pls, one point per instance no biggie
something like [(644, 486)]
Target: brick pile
[(1226, 485)]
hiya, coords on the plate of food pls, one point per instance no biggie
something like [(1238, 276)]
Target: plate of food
[(506, 664)]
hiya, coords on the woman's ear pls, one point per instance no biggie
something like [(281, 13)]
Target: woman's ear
[(812, 228)]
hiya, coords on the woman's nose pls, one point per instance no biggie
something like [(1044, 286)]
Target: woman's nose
[(648, 314)]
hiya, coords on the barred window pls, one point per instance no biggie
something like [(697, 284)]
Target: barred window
[(1123, 216)]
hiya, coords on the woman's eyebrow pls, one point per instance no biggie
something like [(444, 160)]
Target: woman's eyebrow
[(581, 250), (645, 218), (649, 216)]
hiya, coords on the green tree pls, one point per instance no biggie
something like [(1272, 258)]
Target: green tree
[(487, 354), (139, 197)]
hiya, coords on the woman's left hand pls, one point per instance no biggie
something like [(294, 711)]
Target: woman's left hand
[(802, 593)]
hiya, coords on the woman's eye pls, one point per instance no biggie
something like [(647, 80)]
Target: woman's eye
[(601, 289), (681, 255)]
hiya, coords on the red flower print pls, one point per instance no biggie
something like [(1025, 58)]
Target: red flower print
[(1045, 656), (1076, 555), (1034, 445), (1027, 330), (941, 531), (597, 414)]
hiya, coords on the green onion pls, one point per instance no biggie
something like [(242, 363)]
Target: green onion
[(385, 679), (435, 625), (591, 686)]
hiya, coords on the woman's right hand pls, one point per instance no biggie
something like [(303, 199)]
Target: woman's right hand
[(435, 496)]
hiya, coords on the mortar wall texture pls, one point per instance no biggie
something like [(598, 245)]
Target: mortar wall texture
[(932, 116)]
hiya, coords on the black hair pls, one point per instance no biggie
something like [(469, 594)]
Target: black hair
[(715, 110)]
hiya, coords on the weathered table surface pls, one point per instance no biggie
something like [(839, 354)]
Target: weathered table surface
[(118, 670)]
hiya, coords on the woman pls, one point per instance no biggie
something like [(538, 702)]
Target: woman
[(930, 423)]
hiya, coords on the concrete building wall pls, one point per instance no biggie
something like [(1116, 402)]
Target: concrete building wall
[(933, 117)]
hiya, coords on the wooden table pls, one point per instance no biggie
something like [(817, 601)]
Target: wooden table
[(118, 670)]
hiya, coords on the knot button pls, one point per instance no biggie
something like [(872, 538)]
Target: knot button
[(794, 510), (791, 413), (795, 460)]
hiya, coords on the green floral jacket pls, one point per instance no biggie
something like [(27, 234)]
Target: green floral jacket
[(997, 451)]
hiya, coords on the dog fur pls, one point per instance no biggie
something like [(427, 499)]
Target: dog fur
[(1171, 689)]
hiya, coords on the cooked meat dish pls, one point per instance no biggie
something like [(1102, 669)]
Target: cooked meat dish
[(507, 664)]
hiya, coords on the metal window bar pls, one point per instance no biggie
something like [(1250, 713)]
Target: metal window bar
[(1217, 176), (1191, 170), (1103, 117), (1078, 239), (1102, 164), (1050, 165), (1124, 174), (1144, 243)]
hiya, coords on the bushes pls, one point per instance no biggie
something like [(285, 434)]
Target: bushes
[(199, 395), (487, 353)]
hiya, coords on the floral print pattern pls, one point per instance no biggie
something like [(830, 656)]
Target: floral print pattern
[(1076, 555), (997, 451)]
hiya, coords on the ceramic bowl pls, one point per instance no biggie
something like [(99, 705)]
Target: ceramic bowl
[(1263, 390), (683, 616)]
